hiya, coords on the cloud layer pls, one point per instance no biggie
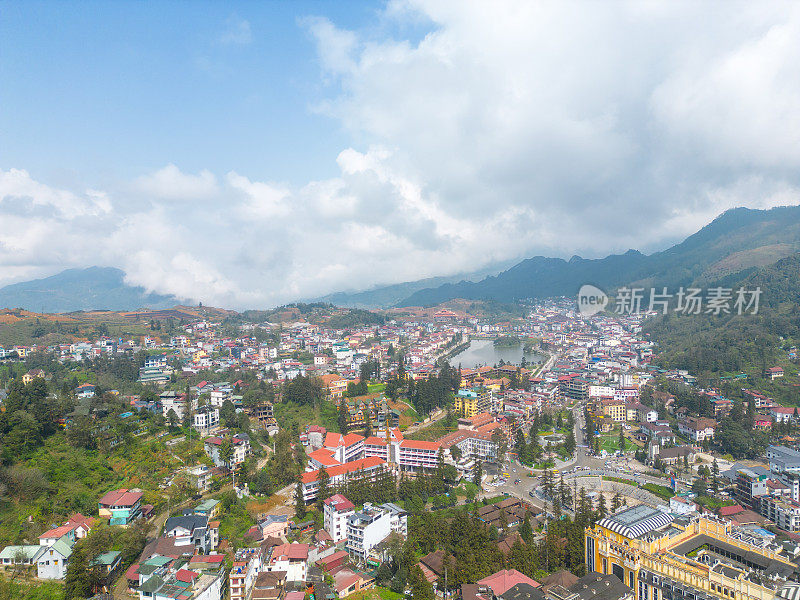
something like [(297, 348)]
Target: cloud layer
[(511, 128)]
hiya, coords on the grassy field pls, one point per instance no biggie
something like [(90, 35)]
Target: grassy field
[(378, 593), (610, 443), (408, 416), (52, 329), (374, 388), (300, 415), (30, 590), (659, 490)]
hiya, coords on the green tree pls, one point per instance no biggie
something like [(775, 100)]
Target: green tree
[(226, 453), (343, 418), (227, 414), (715, 476), (478, 475), (78, 582), (299, 502)]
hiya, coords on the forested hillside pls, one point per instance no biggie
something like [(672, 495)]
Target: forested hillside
[(732, 343)]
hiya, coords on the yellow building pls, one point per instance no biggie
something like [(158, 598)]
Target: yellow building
[(615, 409), (469, 403), (661, 556)]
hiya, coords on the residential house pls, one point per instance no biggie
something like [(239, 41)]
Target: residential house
[(121, 507), (336, 510)]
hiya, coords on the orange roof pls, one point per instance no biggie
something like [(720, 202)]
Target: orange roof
[(352, 438), (57, 532), (374, 441), (350, 467), (489, 427), (420, 445), (333, 440), (324, 457)]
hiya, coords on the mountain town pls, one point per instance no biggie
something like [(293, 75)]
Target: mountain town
[(399, 300), (256, 459)]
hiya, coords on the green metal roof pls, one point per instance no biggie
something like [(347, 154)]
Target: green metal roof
[(107, 558)]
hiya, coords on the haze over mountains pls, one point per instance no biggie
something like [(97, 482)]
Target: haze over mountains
[(82, 289), (736, 242)]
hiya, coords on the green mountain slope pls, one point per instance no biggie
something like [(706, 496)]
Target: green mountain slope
[(82, 289), (738, 239), (389, 295), (732, 343)]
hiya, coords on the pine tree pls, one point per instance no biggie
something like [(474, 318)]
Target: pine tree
[(324, 487), (602, 510), (299, 502), (715, 476), (478, 478), (77, 583), (344, 415), (525, 530)]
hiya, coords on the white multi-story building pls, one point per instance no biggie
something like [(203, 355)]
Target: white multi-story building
[(471, 444), (785, 513), (206, 419), (365, 468), (366, 529), (292, 559), (336, 511), (417, 456), (697, 429), (398, 519), (247, 564), (345, 448), (218, 397)]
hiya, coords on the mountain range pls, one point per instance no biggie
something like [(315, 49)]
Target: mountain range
[(738, 240), (734, 244), (72, 290)]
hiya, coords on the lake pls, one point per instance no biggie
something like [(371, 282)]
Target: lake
[(484, 352)]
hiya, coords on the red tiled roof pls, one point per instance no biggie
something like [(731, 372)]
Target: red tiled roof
[(57, 532), (726, 511), (352, 438), (290, 551), (356, 465), (333, 440), (120, 497), (340, 502), (374, 441), (133, 572), (502, 581), (324, 457), (185, 575), (420, 445), (207, 558)]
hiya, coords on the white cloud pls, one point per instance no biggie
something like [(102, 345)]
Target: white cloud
[(169, 183), (509, 129), (237, 31)]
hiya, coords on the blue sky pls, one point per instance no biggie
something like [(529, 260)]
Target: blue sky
[(112, 89), (248, 154)]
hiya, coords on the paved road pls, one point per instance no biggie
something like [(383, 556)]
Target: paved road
[(584, 468)]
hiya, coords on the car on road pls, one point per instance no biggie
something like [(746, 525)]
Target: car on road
[(517, 481)]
